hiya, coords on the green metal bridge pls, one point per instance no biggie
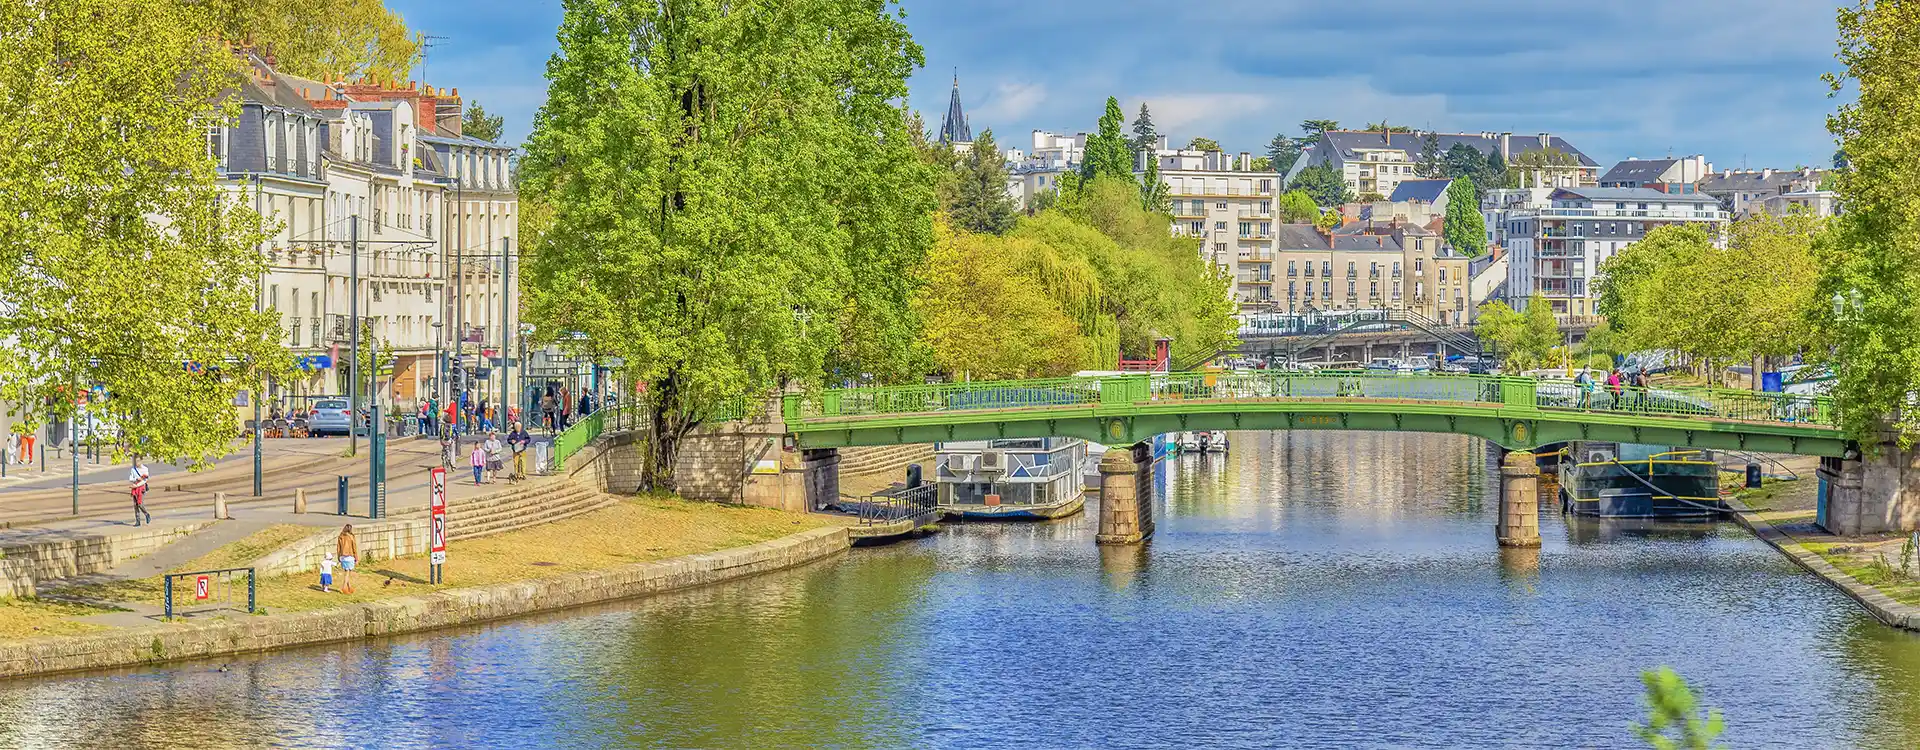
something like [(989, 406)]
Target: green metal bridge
[(1515, 412)]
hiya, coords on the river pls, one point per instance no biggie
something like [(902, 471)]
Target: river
[(1317, 589)]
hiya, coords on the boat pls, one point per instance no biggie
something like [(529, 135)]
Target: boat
[(1202, 441), (1632, 480), (1011, 479)]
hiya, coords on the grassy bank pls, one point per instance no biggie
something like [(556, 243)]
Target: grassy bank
[(1873, 560), (634, 530)]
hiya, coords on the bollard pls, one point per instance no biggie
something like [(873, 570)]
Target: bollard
[(1753, 475), (343, 496), (220, 506), (913, 476), (300, 500)]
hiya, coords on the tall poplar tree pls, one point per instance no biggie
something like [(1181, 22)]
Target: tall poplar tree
[(124, 268), (737, 202), (1109, 153), (1465, 228)]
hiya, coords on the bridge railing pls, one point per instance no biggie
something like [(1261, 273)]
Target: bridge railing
[(1721, 403), (1508, 392)]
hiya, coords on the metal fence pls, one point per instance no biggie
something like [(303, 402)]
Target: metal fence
[(1322, 385), (207, 590), (898, 503)]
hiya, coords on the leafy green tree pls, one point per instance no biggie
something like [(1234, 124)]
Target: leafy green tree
[(1674, 716), (1383, 127), (1328, 221), (1296, 207), (1144, 134), (1262, 164), (476, 123), (738, 204), (1465, 229), (939, 157), (1870, 260), (1462, 160), (1283, 151), (1153, 191), (1324, 185), (333, 39), (1533, 168), (983, 204), (1371, 196), (1311, 129), (123, 265), (1494, 174), (1203, 144), (1429, 165), (1524, 341), (1109, 153)]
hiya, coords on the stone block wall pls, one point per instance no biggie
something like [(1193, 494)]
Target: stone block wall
[(379, 540), (22, 565), (1876, 494), (177, 641)]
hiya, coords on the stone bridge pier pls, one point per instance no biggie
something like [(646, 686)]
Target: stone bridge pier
[(1126, 495), (1519, 524), (1874, 494)]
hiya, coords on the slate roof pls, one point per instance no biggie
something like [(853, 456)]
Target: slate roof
[(1366, 242), (1638, 171), (1299, 237), (1425, 191), (462, 140), (1753, 181), (1639, 194), (1349, 142)]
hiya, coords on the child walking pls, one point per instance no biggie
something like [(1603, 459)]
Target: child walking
[(478, 459), (326, 573)]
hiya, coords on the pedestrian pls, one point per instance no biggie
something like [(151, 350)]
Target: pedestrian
[(1641, 383), (586, 404), (546, 410), (138, 478), (1584, 381), (496, 456), (448, 427), (518, 440), (1613, 386), (349, 550), (326, 573), (426, 418), (478, 460)]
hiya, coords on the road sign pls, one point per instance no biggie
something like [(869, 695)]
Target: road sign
[(202, 588), (437, 521)]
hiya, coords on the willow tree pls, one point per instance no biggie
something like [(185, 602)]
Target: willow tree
[(737, 204), (124, 269), (1870, 261)]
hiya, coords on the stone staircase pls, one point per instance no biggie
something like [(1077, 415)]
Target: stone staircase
[(524, 506), (888, 458)]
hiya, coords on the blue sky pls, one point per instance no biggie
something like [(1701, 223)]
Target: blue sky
[(1739, 82)]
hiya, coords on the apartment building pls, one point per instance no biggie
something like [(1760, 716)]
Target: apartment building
[(270, 156), (1401, 267), (1556, 249), (1220, 201), (1680, 176), (1376, 162), (431, 211), (1742, 192)]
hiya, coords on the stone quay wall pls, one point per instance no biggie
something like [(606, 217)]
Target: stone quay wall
[(242, 634)]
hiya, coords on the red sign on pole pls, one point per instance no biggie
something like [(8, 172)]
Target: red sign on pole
[(437, 524), (201, 588)]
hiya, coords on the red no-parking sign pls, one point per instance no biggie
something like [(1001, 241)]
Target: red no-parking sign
[(201, 588), (437, 524)]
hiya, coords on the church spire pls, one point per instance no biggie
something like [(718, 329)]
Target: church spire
[(955, 130)]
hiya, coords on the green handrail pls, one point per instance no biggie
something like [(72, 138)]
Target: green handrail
[(1508, 393)]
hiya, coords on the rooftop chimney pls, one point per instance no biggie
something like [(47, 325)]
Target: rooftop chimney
[(1506, 147), (1766, 173)]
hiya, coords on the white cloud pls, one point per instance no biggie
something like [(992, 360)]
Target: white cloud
[(1010, 101)]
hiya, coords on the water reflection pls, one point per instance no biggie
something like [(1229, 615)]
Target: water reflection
[(1305, 590)]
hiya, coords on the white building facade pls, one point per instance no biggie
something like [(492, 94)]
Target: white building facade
[(1556, 250)]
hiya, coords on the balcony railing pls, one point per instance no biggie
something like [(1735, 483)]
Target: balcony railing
[(1626, 213)]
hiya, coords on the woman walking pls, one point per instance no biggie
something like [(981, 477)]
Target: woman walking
[(347, 548)]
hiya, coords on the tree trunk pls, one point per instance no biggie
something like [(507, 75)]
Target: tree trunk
[(1759, 365), (670, 425)]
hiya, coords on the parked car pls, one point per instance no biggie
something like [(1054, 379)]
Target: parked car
[(330, 416)]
